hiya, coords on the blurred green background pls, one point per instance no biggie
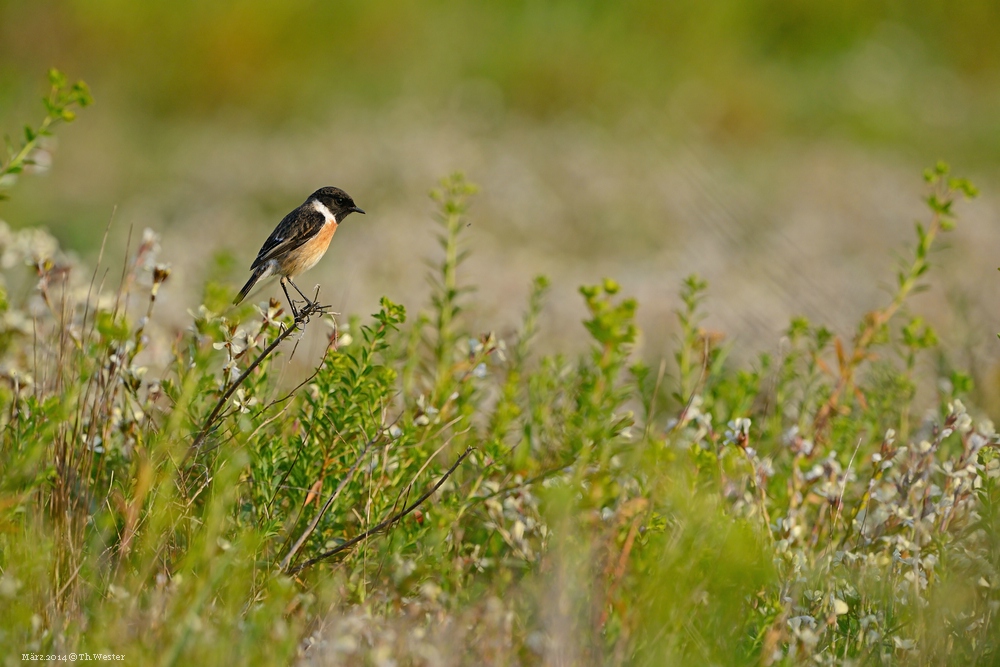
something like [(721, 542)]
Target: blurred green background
[(872, 71), (774, 147)]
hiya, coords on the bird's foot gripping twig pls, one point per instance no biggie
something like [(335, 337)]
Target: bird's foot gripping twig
[(309, 307), (303, 313)]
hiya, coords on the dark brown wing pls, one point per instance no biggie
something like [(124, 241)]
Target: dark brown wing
[(295, 229)]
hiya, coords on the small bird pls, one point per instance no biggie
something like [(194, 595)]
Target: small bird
[(300, 240)]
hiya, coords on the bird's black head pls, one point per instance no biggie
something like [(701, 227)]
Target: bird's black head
[(338, 201)]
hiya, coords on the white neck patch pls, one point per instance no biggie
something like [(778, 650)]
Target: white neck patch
[(321, 207)]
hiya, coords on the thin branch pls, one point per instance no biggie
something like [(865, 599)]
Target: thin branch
[(286, 561), (695, 390), (843, 487), (300, 321), (404, 495), (388, 522)]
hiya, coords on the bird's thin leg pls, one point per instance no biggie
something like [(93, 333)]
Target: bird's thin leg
[(291, 301), (309, 301)]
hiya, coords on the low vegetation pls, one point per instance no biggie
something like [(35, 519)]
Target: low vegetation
[(436, 495)]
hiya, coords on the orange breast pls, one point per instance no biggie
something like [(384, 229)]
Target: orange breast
[(305, 256)]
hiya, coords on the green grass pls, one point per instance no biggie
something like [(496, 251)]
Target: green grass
[(166, 498)]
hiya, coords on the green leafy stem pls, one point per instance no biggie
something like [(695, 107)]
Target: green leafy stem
[(59, 108)]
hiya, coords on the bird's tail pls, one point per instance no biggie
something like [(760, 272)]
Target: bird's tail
[(257, 275)]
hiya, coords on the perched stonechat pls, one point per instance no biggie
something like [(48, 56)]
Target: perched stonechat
[(300, 240)]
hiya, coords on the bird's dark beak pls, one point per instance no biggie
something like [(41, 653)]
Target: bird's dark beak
[(357, 210)]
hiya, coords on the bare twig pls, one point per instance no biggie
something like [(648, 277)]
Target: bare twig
[(388, 522), (301, 318), (286, 561)]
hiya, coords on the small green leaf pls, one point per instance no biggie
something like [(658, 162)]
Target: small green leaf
[(111, 328), (81, 93), (57, 78), (961, 383)]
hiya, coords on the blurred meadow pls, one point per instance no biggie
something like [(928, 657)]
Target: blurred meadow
[(769, 146), (772, 147)]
